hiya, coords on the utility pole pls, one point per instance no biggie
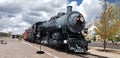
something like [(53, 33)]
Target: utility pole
[(104, 4), (104, 9)]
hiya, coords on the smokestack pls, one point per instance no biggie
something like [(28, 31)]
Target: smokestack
[(69, 9)]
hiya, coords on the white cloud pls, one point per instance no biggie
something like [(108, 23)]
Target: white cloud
[(17, 15)]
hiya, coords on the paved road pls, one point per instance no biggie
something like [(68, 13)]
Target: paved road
[(17, 49), (21, 49), (100, 44)]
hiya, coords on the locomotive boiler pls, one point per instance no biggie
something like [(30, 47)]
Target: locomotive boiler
[(63, 31)]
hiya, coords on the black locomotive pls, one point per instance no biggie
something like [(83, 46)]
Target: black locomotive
[(61, 31)]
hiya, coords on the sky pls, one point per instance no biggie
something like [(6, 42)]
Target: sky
[(18, 15)]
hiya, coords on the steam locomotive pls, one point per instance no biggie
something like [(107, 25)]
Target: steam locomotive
[(62, 30)]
